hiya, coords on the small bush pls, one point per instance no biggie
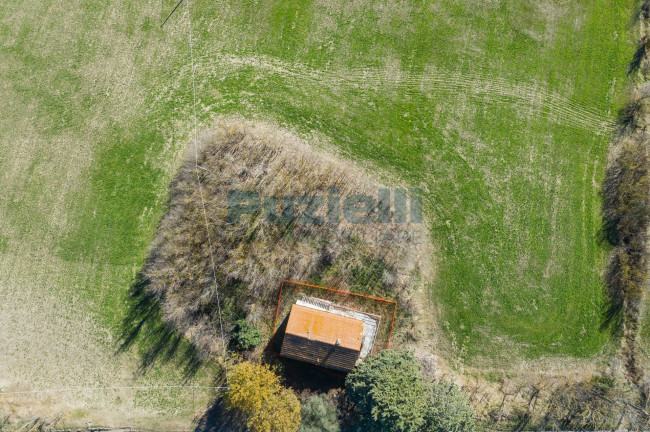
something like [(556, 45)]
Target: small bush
[(319, 415), (246, 337)]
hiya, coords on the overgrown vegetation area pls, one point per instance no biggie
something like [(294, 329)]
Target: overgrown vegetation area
[(627, 213), (35, 424), (604, 400), (258, 190)]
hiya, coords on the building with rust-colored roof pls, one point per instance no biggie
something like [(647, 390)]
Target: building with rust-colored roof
[(323, 337)]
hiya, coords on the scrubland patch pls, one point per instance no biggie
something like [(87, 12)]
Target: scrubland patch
[(299, 230)]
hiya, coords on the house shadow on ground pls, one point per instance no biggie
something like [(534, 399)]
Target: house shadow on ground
[(298, 375)]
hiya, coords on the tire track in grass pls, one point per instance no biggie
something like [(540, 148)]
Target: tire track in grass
[(559, 109)]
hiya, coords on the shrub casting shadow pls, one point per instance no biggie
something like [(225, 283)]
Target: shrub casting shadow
[(612, 309), (155, 339), (612, 314)]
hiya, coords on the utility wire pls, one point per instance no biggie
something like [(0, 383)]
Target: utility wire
[(198, 181), (72, 389), (172, 12)]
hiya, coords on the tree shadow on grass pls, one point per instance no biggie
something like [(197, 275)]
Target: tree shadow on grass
[(612, 314), (637, 59), (156, 340), (219, 419)]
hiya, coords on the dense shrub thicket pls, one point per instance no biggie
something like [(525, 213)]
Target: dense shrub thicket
[(626, 192), (254, 253), (391, 396), (593, 404), (448, 410)]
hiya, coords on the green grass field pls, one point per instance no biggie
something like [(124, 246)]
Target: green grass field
[(500, 112)]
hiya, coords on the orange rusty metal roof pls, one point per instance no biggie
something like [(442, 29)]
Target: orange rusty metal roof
[(326, 327)]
